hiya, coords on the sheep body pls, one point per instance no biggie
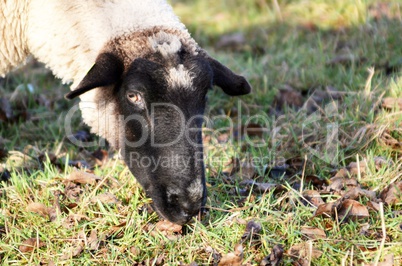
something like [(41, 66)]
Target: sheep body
[(141, 78), (67, 35)]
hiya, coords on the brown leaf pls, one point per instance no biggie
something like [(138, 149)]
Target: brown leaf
[(343, 172), (74, 251), (352, 209), (392, 103), (339, 183), (216, 256), (315, 181), (304, 251), (258, 187), (105, 198), (325, 210), (73, 220), (392, 194), (357, 192), (38, 208), (252, 130), (252, 231), (373, 205), (233, 258), (232, 166), (247, 170), (288, 97), (274, 258), (101, 156), (73, 191), (81, 177), (93, 243), (135, 251), (313, 196), (167, 227), (388, 261), (313, 232), (380, 162), (30, 244), (354, 167)]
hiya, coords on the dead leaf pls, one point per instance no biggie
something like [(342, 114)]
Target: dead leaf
[(325, 210), (216, 256), (81, 177), (392, 194), (373, 205), (288, 97), (338, 183), (72, 252), (233, 258), (247, 170), (315, 181), (343, 173), (259, 188), (73, 220), (93, 242), (304, 251), (135, 251), (73, 191), (38, 208), (77, 247), (388, 261), (101, 156), (351, 209), (168, 227), (252, 231), (354, 167), (381, 162), (392, 103), (274, 259), (357, 192), (30, 244), (105, 198), (313, 232), (252, 130), (313, 196)]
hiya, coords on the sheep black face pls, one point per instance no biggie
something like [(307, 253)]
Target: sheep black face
[(161, 105)]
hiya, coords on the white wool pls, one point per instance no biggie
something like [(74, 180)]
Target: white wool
[(180, 77), (68, 35), (165, 43)]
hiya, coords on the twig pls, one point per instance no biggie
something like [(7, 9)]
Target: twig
[(384, 235)]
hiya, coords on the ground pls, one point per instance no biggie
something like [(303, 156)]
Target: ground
[(310, 172)]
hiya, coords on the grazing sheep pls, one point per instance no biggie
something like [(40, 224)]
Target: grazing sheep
[(142, 81)]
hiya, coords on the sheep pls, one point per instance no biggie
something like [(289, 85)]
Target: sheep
[(142, 81)]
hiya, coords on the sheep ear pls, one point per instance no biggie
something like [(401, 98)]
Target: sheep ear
[(228, 81), (106, 71)]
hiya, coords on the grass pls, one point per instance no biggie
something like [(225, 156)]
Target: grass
[(304, 45)]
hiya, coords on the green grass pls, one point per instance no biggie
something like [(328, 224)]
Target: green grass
[(289, 44)]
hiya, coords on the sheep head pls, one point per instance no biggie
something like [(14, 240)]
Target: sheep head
[(156, 104)]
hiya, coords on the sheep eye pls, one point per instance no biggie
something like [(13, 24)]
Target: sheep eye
[(134, 97)]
